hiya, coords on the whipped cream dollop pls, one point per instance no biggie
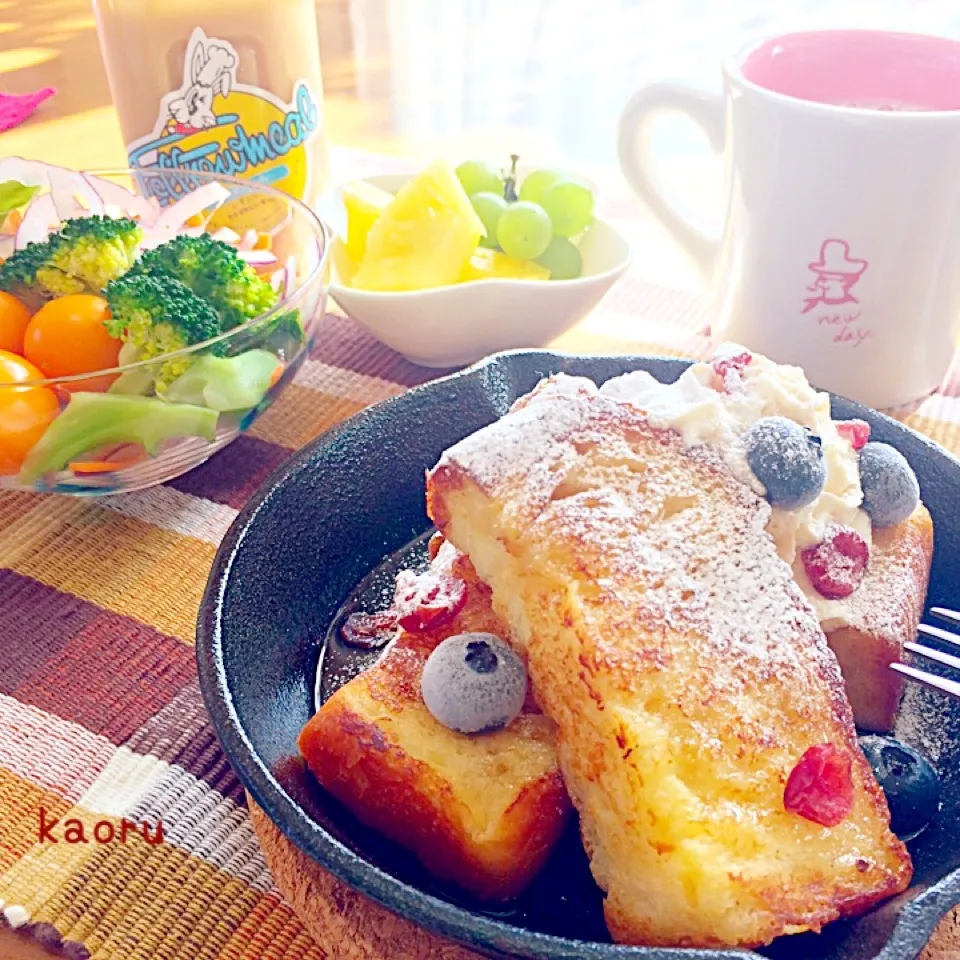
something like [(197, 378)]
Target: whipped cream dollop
[(697, 407)]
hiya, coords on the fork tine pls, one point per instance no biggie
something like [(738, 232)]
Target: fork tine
[(928, 679), (945, 614), (932, 654), (939, 634)]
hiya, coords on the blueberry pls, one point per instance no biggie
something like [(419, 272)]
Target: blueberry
[(908, 780), (787, 460), (890, 489), (474, 682)]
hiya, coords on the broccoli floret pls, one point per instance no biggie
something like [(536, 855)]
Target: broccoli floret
[(287, 335), (215, 271), (156, 315), (18, 274), (83, 256), (281, 334)]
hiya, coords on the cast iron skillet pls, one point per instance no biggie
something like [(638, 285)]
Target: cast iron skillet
[(333, 513)]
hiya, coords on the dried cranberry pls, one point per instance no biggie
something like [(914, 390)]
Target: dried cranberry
[(856, 431), (369, 631), (428, 600), (820, 786), (730, 370), (837, 564)]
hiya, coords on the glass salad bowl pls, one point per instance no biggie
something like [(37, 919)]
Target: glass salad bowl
[(167, 310)]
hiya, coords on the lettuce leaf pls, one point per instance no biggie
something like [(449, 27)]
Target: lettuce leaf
[(14, 195)]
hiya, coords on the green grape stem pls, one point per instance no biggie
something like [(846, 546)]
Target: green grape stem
[(510, 180)]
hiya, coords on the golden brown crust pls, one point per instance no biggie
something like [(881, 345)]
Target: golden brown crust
[(683, 667), (360, 763), (483, 812)]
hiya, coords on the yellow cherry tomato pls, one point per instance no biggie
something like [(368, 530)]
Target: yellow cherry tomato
[(14, 317), (25, 412), (14, 369), (67, 336)]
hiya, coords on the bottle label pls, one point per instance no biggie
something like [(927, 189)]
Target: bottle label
[(215, 124)]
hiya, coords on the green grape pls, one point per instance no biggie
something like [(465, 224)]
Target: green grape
[(569, 205), (536, 182), (475, 176), (562, 259), (524, 230), (489, 207)]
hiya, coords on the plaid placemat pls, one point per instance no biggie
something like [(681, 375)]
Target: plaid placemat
[(103, 735)]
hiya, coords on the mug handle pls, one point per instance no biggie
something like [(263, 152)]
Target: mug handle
[(636, 124)]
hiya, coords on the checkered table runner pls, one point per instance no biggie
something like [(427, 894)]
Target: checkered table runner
[(101, 720)]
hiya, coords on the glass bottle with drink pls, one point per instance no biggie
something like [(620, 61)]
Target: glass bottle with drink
[(223, 86)]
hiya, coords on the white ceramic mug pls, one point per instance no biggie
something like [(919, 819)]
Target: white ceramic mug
[(841, 247)]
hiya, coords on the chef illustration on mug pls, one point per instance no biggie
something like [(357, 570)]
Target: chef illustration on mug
[(836, 274)]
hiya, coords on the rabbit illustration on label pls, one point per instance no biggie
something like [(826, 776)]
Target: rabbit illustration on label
[(212, 71), (215, 124)]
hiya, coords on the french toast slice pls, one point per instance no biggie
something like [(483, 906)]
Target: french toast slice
[(481, 811), (869, 628), (684, 669), (867, 631)]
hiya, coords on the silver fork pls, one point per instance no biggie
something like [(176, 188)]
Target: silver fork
[(929, 679)]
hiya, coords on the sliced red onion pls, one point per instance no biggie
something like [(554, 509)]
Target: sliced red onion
[(153, 238), (8, 244), (73, 196), (31, 173), (226, 235), (289, 276), (196, 202), (258, 258), (249, 240), (277, 278), (39, 220), (146, 209), (171, 219), (74, 193)]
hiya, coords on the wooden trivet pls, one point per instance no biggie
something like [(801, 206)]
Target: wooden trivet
[(349, 926), (346, 924)]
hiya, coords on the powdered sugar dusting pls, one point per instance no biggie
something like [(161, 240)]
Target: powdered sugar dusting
[(528, 442), (564, 460), (542, 446)]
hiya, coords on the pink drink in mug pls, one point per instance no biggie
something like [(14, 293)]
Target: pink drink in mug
[(222, 86), (840, 250)]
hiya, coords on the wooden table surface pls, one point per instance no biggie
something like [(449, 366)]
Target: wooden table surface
[(484, 78)]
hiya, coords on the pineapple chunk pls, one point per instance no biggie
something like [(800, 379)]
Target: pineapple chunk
[(487, 264), (424, 237), (364, 203), (345, 265)]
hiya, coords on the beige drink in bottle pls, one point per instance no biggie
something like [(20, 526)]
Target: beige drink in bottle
[(221, 86)]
